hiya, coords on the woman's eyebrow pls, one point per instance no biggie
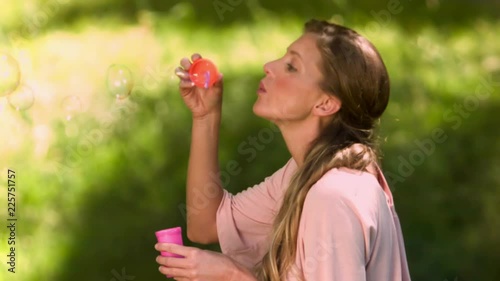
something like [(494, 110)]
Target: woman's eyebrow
[(293, 52)]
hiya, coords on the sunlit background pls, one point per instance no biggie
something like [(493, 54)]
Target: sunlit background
[(92, 123)]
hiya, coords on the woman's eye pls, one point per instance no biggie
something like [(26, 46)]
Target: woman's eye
[(290, 67)]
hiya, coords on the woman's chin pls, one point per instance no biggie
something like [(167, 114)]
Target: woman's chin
[(265, 113), (260, 112), (256, 110)]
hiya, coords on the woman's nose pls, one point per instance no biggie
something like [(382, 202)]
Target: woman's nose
[(267, 68)]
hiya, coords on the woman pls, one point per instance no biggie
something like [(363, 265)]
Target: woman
[(328, 213)]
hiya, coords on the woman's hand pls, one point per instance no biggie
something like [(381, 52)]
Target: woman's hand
[(200, 101), (198, 265)]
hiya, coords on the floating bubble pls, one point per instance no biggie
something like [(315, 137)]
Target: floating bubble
[(22, 98), (71, 106), (10, 75), (119, 81)]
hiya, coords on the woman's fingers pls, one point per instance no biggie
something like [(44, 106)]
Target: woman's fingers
[(195, 56), (177, 272), (175, 249), (185, 63), (171, 262), (184, 76), (182, 73), (185, 84)]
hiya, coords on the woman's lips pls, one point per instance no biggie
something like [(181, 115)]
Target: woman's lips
[(262, 89)]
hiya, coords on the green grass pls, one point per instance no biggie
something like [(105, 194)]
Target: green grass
[(80, 222)]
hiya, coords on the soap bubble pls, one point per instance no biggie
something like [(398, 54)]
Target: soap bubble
[(10, 75), (71, 106), (22, 98), (119, 81)]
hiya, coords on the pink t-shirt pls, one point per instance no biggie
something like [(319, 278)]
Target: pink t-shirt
[(349, 229)]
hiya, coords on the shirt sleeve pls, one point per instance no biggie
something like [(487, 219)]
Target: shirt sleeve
[(337, 224), (244, 220)]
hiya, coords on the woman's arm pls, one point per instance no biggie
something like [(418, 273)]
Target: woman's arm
[(204, 190), (199, 264)]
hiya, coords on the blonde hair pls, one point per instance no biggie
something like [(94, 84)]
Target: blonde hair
[(355, 73)]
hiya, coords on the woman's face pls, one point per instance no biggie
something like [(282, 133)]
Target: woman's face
[(290, 90)]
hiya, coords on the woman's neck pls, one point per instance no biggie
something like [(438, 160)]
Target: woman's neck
[(298, 136)]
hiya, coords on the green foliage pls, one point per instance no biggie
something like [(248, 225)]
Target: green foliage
[(92, 190)]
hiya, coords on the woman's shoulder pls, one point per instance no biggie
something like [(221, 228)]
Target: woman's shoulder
[(357, 189)]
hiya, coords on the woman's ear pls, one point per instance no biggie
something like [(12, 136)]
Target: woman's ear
[(327, 105)]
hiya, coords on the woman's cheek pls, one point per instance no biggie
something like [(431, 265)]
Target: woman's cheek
[(282, 84)]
